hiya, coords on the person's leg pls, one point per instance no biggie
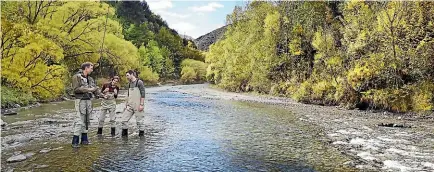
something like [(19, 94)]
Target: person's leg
[(112, 114), (78, 122), (86, 108), (101, 120), (126, 116), (140, 123)]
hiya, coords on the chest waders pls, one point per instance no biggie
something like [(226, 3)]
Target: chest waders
[(108, 105), (83, 107), (132, 106)]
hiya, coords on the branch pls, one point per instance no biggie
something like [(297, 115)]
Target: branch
[(30, 63), (82, 32), (37, 10), (30, 11), (81, 18), (45, 88), (75, 55), (70, 17), (85, 41), (45, 78)]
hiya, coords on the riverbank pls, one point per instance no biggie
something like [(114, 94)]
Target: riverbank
[(354, 133), (357, 132)]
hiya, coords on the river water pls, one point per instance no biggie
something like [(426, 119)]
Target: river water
[(184, 132)]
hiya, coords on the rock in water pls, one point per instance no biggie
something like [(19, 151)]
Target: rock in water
[(59, 148), (41, 166), (29, 155), (45, 150), (16, 158), (8, 112), (3, 123)]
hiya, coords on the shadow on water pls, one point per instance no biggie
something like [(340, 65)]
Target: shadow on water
[(188, 133)]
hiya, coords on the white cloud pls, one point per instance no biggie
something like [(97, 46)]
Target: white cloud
[(156, 5), (212, 6), (168, 14), (183, 27), (194, 22)]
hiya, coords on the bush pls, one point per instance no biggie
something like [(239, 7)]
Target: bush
[(190, 67), (323, 91), (11, 96), (148, 77), (423, 98), (345, 94), (188, 75), (304, 92)]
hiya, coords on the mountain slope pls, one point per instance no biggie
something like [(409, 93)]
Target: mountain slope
[(204, 41)]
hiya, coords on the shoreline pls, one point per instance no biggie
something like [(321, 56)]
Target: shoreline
[(408, 115)]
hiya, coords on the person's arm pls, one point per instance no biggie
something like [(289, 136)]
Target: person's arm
[(116, 92), (104, 86), (97, 92), (141, 86), (78, 88)]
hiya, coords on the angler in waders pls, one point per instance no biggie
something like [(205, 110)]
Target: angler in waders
[(134, 104), (84, 87), (108, 105)]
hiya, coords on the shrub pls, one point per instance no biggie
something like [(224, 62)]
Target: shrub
[(11, 96), (423, 98), (190, 67), (304, 92), (148, 77), (345, 94), (188, 75), (324, 91)]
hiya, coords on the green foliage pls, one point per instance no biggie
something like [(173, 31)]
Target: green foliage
[(193, 71), (374, 53), (149, 77), (188, 75), (45, 42), (10, 97)]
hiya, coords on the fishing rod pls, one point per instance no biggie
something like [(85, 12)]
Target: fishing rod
[(102, 44)]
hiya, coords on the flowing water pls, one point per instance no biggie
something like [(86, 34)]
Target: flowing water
[(186, 132)]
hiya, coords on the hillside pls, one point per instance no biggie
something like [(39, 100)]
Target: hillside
[(204, 41)]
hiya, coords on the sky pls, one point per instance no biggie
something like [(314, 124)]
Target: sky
[(193, 18)]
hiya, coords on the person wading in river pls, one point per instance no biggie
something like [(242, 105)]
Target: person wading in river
[(134, 104), (84, 87), (108, 105)]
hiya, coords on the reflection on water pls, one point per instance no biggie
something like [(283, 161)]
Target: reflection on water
[(188, 133)]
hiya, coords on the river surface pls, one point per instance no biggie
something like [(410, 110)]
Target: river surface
[(186, 130)]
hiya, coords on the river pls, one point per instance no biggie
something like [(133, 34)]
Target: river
[(198, 128)]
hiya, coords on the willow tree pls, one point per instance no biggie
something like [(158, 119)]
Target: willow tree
[(42, 42)]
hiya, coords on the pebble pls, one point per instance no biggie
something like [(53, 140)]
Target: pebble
[(23, 139), (16, 158), (17, 153), (45, 150), (41, 166), (59, 148), (29, 155)]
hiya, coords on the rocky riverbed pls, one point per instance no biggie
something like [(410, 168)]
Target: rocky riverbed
[(196, 127)]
